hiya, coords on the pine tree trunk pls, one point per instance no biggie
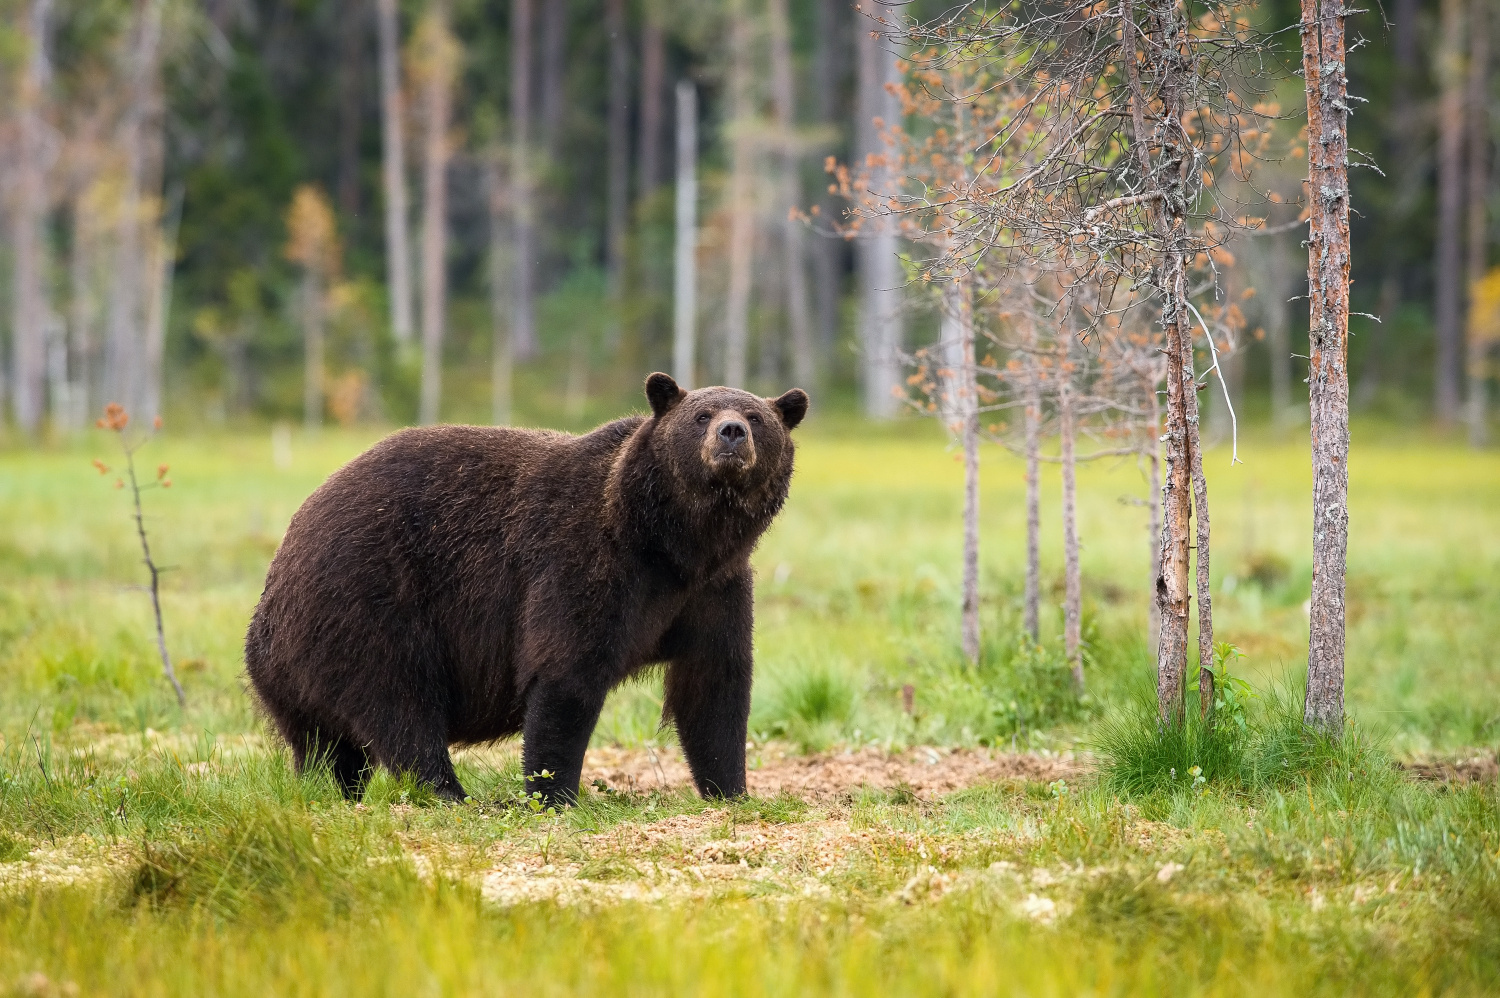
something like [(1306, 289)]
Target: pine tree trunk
[(1328, 377), (653, 72), (1033, 430), (1479, 189), (685, 255), (1200, 515), (1448, 265), (794, 262), (29, 316), (393, 174), (1072, 580), (502, 352), (437, 100), (523, 291), (880, 278), (741, 204)]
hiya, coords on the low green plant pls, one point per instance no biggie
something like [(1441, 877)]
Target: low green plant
[(1232, 694)]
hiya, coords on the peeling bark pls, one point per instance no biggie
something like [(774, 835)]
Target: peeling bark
[(1328, 294)]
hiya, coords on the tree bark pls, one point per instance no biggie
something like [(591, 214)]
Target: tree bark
[(1200, 515), (163, 259), (1072, 581), (794, 261), (1328, 378), (523, 291), (741, 204), (653, 71), (393, 173), (685, 255), (880, 278), (29, 299), (1277, 341), (1033, 431), (1448, 276), (1479, 189), (1153, 463), (82, 312), (437, 102), (963, 404)]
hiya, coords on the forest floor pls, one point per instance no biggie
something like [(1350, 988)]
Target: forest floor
[(973, 837)]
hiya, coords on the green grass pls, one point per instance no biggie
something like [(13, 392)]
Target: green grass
[(145, 849)]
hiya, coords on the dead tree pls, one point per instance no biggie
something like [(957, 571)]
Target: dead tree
[(1102, 175), (1328, 364)]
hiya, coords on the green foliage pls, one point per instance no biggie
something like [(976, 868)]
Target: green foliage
[(1231, 693)]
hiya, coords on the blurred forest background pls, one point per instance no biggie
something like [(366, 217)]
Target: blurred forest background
[(235, 211)]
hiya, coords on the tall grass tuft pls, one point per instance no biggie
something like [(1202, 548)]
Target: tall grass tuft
[(1271, 748)]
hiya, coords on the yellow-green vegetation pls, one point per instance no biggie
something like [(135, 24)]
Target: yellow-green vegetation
[(147, 850)]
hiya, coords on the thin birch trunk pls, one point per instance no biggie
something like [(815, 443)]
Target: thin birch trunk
[(1072, 581), (313, 378), (794, 258), (1479, 189), (163, 257), (438, 58), (685, 255), (502, 352), (829, 70), (880, 278), (29, 315), (1328, 377), (1448, 263), (393, 174), (1033, 492), (1277, 340), (963, 405), (653, 72), (352, 40), (82, 312), (741, 204), (523, 291)]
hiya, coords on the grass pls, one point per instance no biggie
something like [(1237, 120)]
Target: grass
[(147, 850)]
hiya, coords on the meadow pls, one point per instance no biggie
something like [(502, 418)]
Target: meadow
[(147, 849)]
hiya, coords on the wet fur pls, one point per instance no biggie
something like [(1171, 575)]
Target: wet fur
[(459, 584)]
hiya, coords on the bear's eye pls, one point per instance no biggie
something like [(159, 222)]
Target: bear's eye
[(702, 417), (755, 417)]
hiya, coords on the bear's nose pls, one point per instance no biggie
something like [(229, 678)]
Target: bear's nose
[(733, 432)]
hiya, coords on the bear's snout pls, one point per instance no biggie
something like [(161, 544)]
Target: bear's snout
[(728, 444)]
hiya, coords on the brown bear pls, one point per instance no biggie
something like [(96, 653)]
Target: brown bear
[(458, 584)]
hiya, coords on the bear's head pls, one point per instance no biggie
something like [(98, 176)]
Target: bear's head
[(725, 436)]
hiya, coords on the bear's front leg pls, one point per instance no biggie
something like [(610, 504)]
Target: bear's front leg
[(560, 717), (708, 684)]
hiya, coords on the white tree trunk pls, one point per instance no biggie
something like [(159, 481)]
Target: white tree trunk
[(502, 356), (961, 402), (1448, 263), (794, 259), (1072, 579), (741, 204), (437, 100), (617, 186), (29, 298), (393, 174), (1033, 429), (880, 277), (523, 291), (1479, 191), (685, 255), (313, 380)]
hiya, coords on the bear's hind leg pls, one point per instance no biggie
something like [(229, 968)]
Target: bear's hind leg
[(313, 747)]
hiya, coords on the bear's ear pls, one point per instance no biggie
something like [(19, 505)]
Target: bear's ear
[(663, 393), (792, 406)]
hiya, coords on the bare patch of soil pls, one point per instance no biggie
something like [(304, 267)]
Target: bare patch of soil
[(926, 772), (1478, 768)]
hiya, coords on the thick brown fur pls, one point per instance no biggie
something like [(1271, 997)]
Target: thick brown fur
[(458, 584)]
